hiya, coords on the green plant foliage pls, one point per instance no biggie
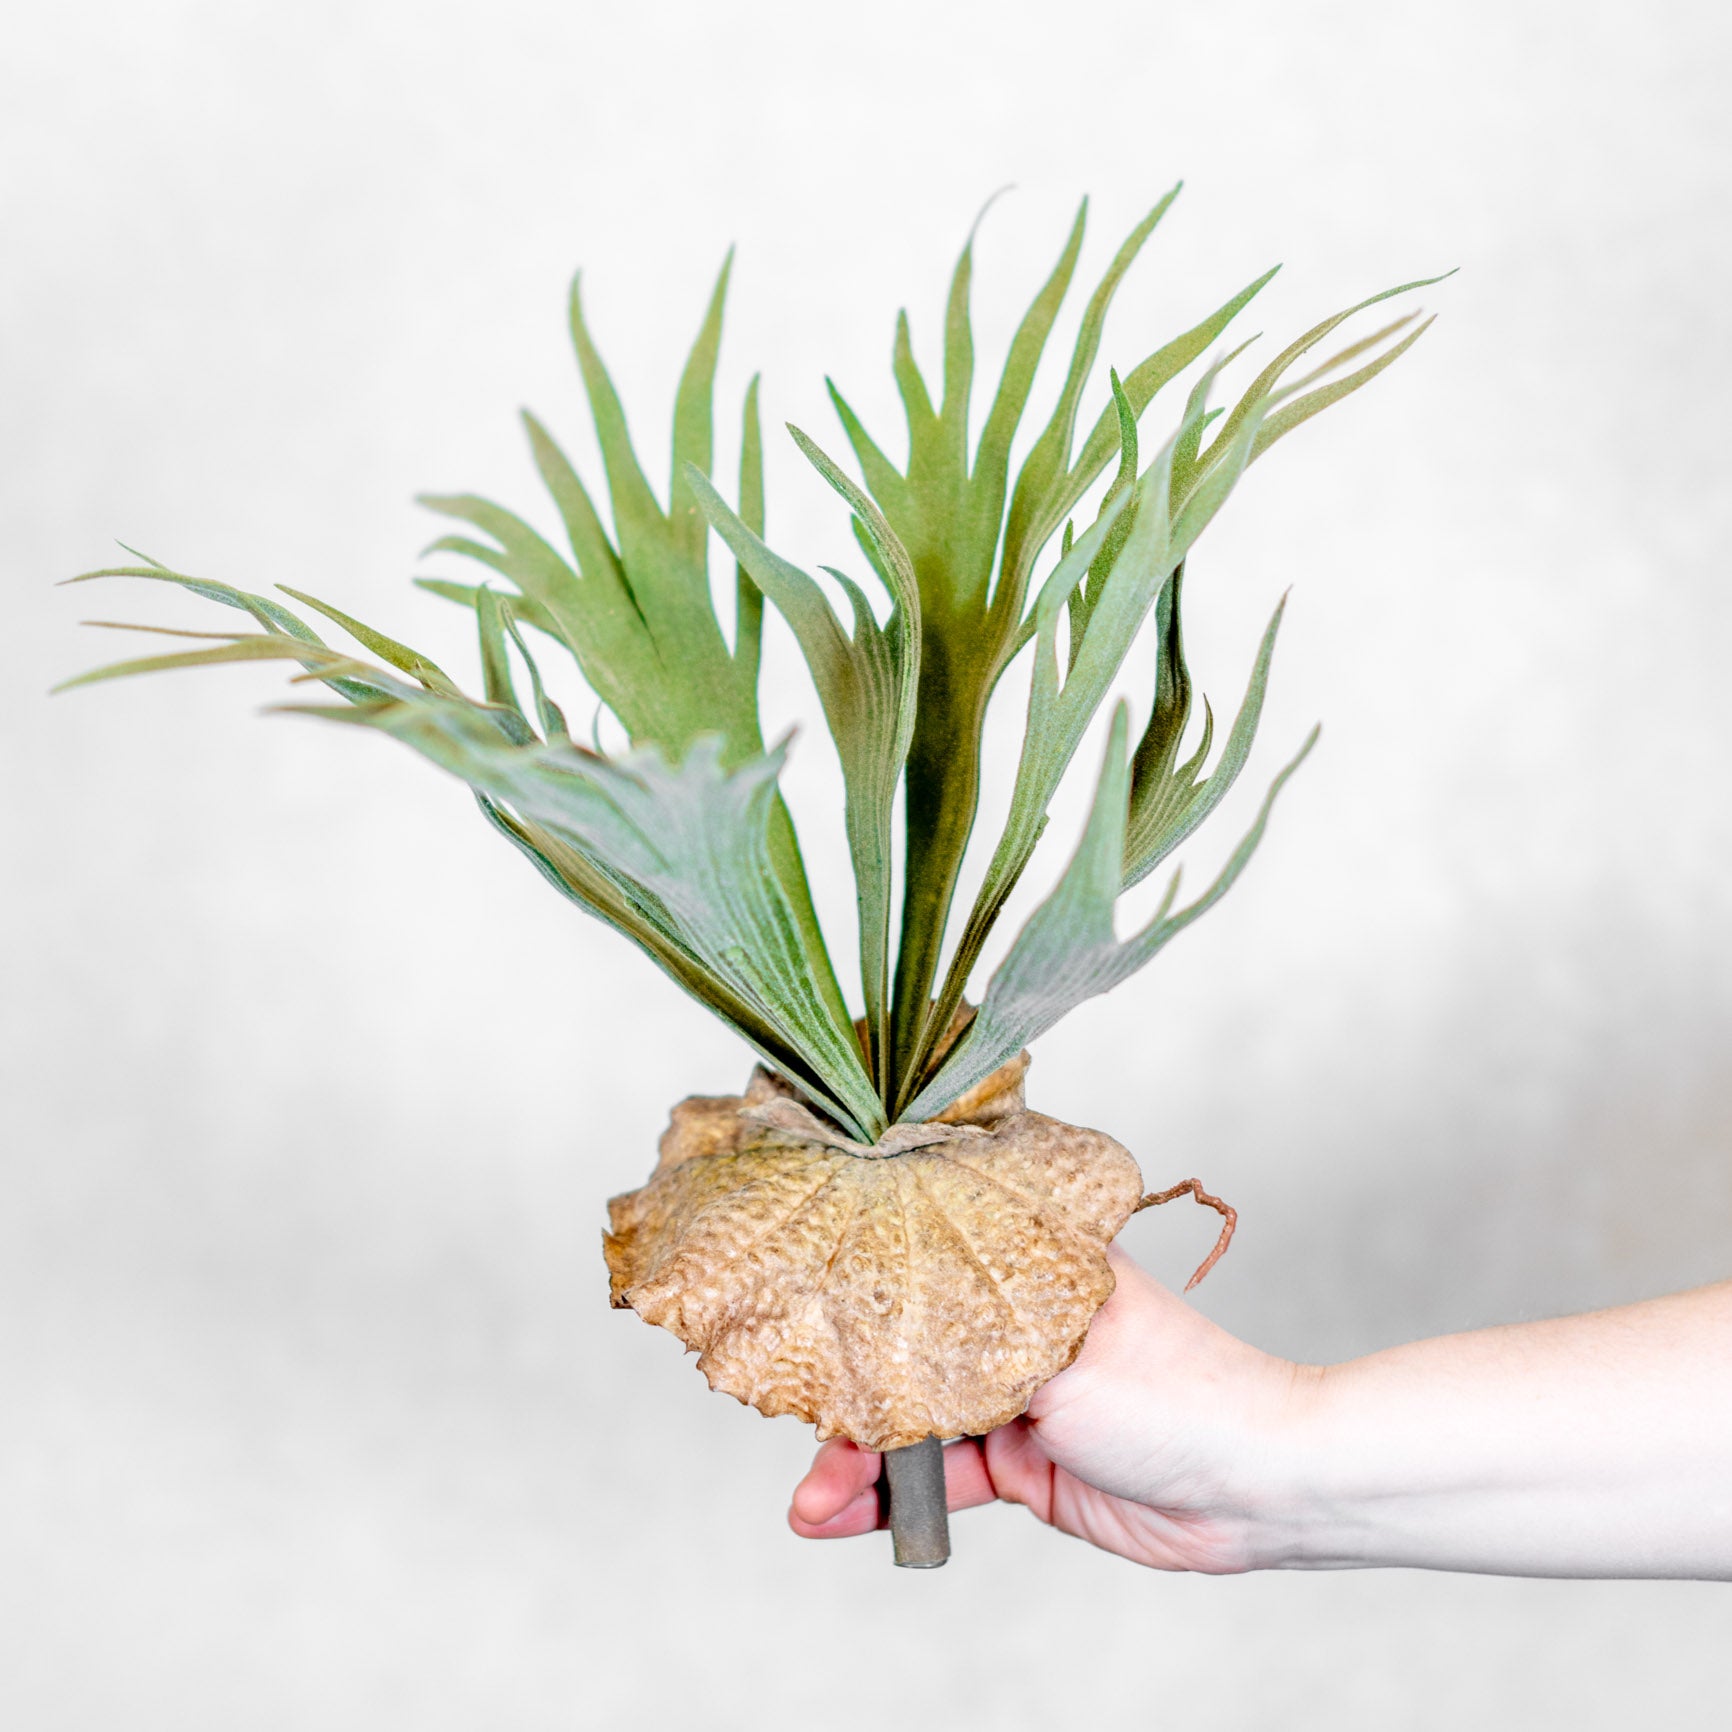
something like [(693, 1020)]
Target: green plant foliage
[(1067, 952), (867, 685), (682, 841), (635, 610), (675, 856)]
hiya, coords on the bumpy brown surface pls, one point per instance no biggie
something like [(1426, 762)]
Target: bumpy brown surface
[(884, 1296)]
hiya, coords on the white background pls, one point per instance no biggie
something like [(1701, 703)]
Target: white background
[(314, 1413)]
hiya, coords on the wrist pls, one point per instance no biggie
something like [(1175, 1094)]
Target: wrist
[(1289, 1517)]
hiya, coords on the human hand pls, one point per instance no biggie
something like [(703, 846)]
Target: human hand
[(1160, 1443), (1573, 1446)]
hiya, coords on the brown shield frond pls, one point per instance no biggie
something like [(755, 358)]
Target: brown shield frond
[(924, 1286)]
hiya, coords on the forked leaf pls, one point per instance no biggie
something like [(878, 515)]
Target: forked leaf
[(637, 616), (272, 615), (636, 612), (692, 839), (1258, 393), (1168, 802), (867, 685), (1068, 951), (1047, 467), (951, 518), (1162, 531)]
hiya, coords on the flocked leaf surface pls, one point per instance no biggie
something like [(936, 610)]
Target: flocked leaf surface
[(676, 856), (973, 565), (684, 842), (1168, 800), (1068, 951), (973, 539), (867, 682), (634, 608), (689, 843)]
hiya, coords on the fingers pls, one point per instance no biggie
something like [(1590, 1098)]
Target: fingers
[(839, 1498), (967, 1480), (1020, 1469)]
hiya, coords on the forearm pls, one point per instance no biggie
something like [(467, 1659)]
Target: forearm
[(1586, 1446)]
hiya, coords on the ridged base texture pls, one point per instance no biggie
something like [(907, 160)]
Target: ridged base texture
[(922, 1294)]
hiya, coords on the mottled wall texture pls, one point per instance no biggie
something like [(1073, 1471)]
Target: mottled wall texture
[(314, 1415)]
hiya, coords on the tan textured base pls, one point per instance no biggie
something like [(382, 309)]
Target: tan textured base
[(885, 1297)]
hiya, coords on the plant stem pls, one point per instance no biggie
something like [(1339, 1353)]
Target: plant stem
[(943, 792), (919, 1522)]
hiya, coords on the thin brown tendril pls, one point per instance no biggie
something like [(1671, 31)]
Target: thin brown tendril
[(1229, 1220)]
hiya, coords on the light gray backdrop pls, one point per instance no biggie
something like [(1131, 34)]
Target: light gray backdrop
[(314, 1416)]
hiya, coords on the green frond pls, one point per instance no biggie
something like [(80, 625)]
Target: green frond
[(683, 843), (867, 684), (675, 855), (974, 555), (1068, 951), (1168, 801), (634, 609)]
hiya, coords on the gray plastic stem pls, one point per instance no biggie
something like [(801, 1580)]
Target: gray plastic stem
[(919, 1524)]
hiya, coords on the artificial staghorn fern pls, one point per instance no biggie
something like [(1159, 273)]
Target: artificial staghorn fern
[(683, 842)]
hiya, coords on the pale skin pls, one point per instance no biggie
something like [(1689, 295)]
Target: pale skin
[(1591, 1446)]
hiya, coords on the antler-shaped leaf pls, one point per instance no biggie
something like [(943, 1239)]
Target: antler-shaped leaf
[(1153, 530), (867, 684), (688, 845), (952, 519), (638, 617), (272, 615), (676, 856), (1160, 531), (1167, 800), (1068, 952)]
